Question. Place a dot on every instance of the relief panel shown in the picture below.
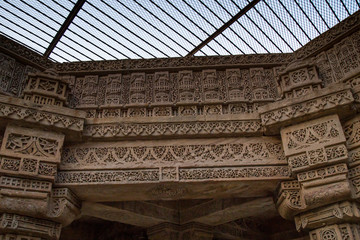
(314, 143)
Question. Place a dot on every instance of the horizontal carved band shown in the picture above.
(316, 102)
(186, 174)
(173, 129)
(47, 116)
(25, 184)
(335, 213)
(28, 167)
(322, 173)
(189, 153)
(27, 225)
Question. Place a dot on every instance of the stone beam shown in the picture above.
(216, 212)
(140, 214)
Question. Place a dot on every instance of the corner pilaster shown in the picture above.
(322, 196)
(31, 208)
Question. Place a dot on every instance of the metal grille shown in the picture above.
(132, 29)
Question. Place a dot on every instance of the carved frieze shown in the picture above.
(88, 177)
(161, 129)
(181, 63)
(334, 213)
(185, 153)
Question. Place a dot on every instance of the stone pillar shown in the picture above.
(321, 200)
(31, 208)
(168, 231)
(164, 231)
(196, 231)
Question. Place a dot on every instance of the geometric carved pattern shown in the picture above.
(313, 103)
(170, 129)
(25, 184)
(28, 167)
(31, 144)
(185, 174)
(48, 118)
(185, 153)
(314, 143)
(335, 213)
(337, 232)
(297, 82)
(10, 223)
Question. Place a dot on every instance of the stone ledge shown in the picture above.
(64, 119)
(334, 99)
(244, 125)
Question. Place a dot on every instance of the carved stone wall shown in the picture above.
(13, 75)
(148, 135)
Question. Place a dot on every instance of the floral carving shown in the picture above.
(304, 108)
(205, 154)
(30, 145)
(185, 174)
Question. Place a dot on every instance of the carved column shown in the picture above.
(164, 231)
(321, 200)
(168, 231)
(31, 208)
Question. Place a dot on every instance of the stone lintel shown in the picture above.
(162, 127)
(142, 214)
(67, 120)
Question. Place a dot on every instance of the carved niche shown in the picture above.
(89, 90)
(235, 86)
(113, 89)
(162, 87)
(137, 88)
(210, 85)
(186, 86)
